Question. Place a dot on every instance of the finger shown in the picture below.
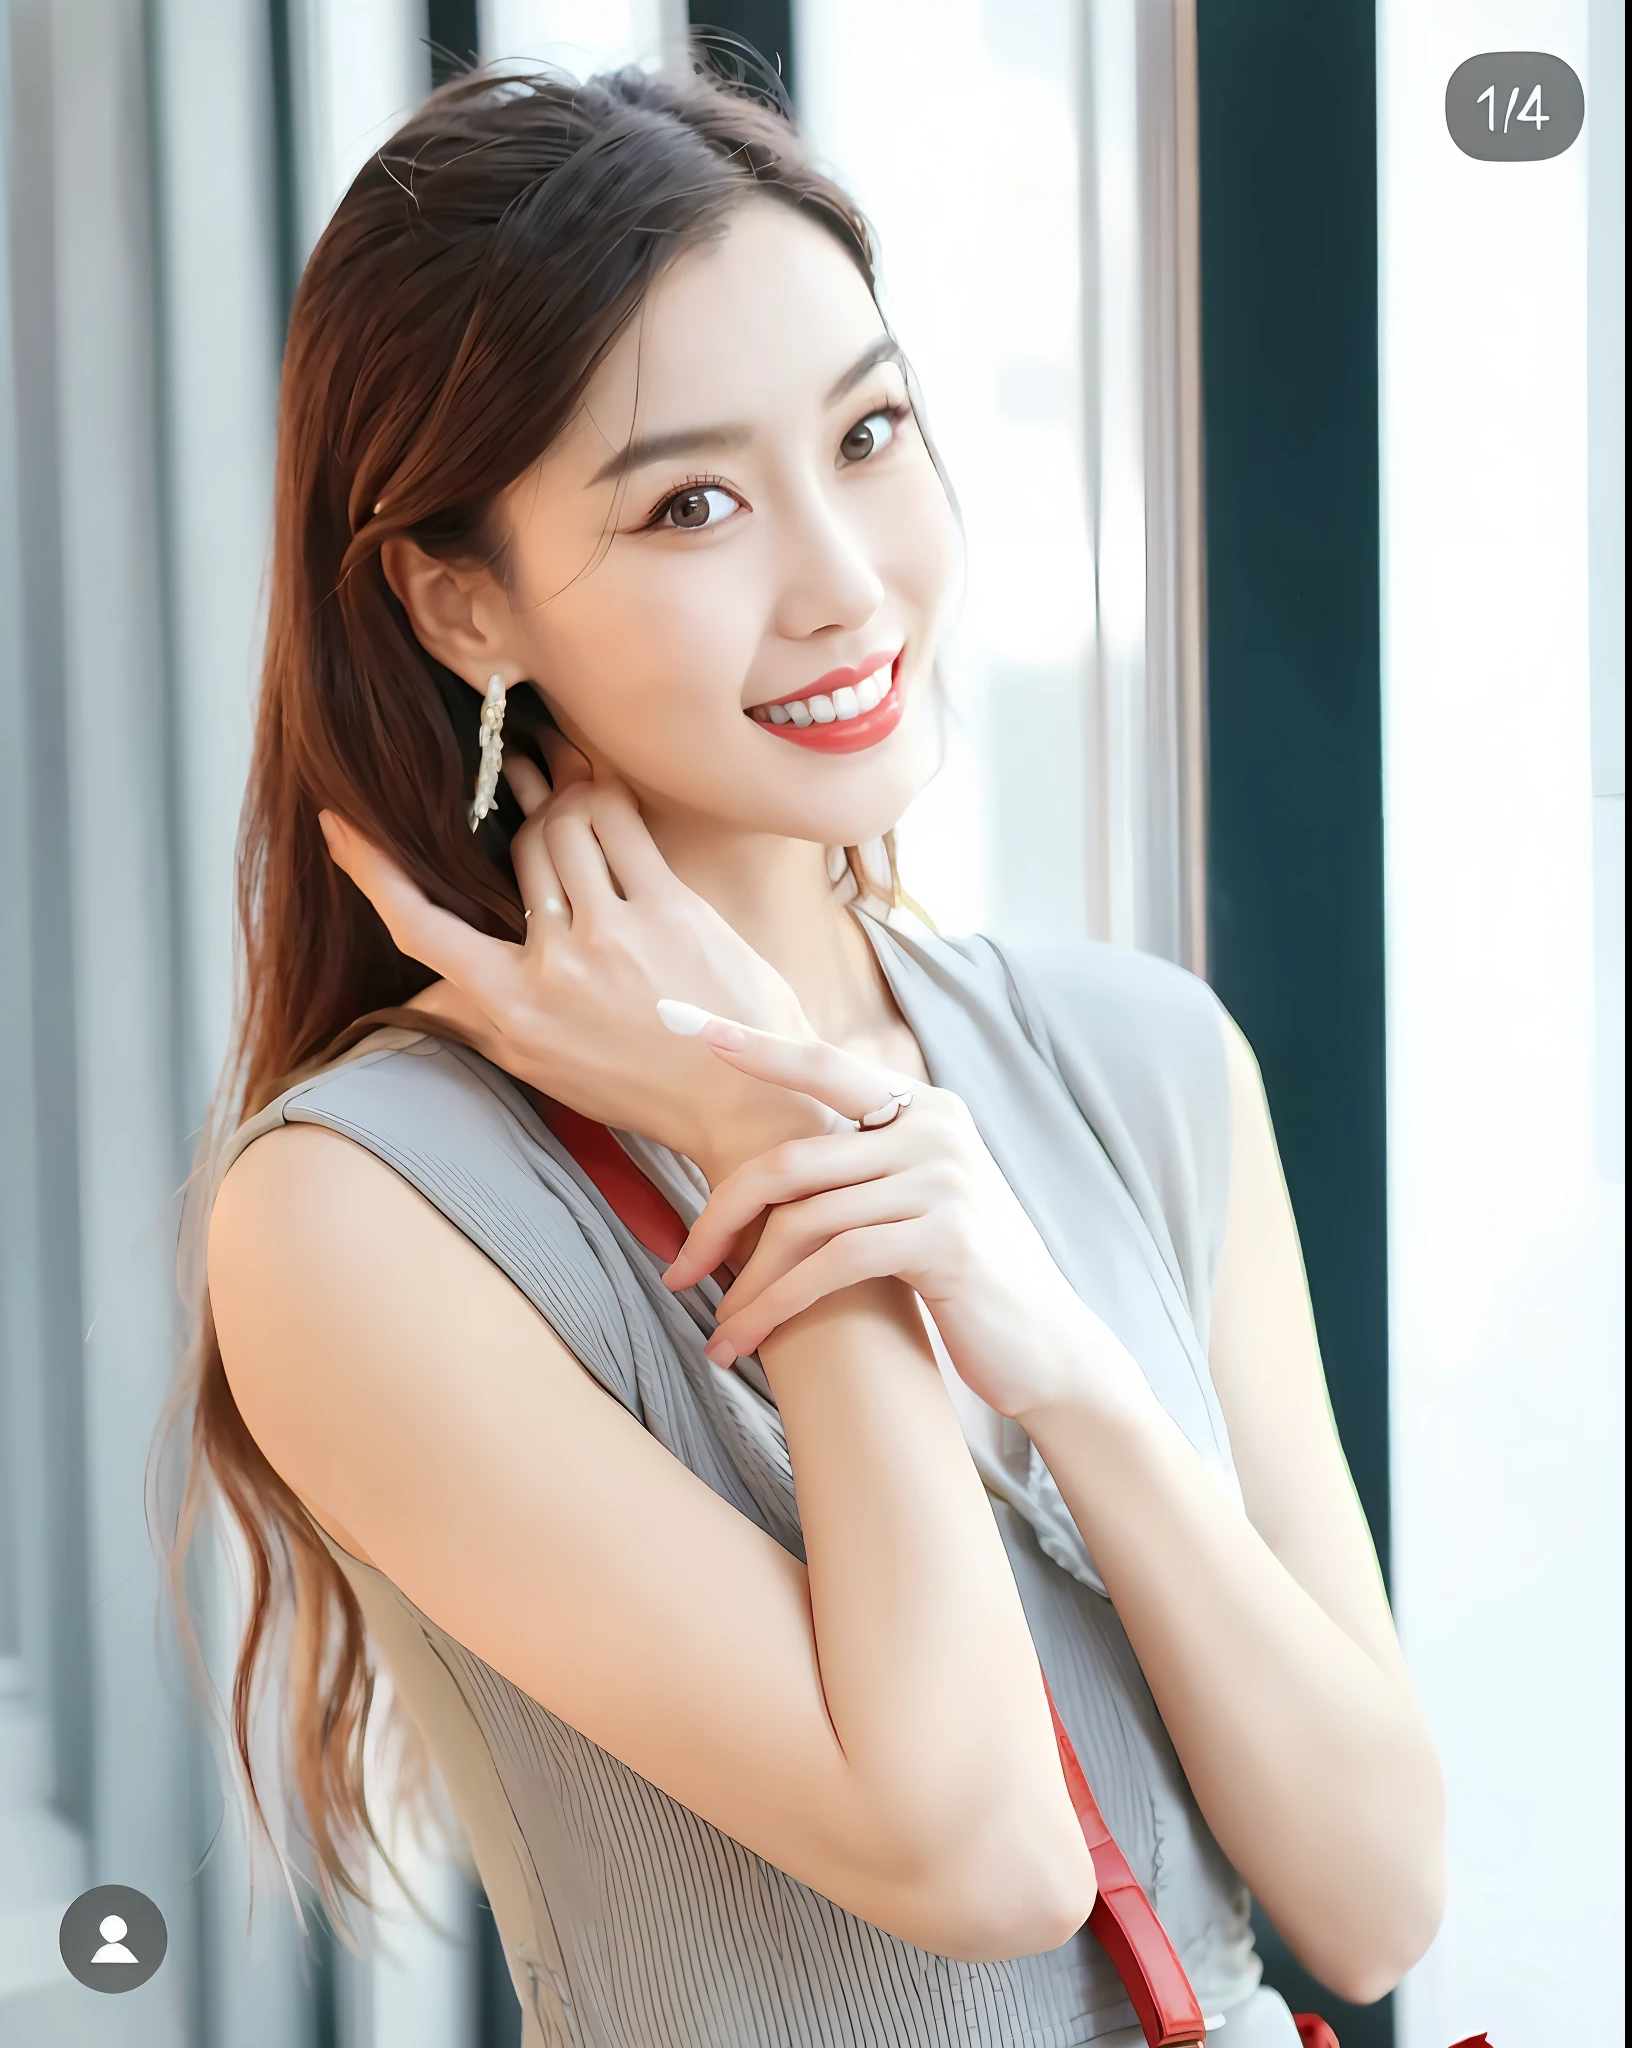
(542, 896)
(796, 1232)
(578, 858)
(787, 1173)
(854, 1087)
(631, 852)
(528, 782)
(878, 1252)
(446, 944)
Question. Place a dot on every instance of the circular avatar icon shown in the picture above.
(112, 1938)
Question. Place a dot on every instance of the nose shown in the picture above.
(827, 578)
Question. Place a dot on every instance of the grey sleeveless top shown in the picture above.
(1096, 1077)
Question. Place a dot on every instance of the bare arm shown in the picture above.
(1267, 1641)
(875, 1725)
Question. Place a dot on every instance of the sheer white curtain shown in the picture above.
(955, 127)
(359, 67)
(1030, 171)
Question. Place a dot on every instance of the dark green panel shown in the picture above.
(1295, 913)
(498, 2016)
(765, 25)
(451, 30)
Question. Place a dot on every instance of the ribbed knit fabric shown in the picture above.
(1097, 1079)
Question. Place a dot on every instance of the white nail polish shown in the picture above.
(685, 1020)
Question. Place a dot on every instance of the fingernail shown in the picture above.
(727, 1037)
(685, 1020)
(720, 1351)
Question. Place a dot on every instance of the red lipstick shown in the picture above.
(841, 712)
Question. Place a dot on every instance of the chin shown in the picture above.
(849, 799)
(872, 814)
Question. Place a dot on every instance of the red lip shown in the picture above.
(849, 735)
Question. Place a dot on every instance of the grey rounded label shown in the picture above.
(1514, 106)
(113, 1938)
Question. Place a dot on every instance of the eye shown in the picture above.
(696, 506)
(870, 436)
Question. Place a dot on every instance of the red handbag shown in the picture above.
(1123, 1918)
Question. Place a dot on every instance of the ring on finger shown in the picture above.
(886, 1112)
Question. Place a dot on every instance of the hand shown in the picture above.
(573, 1010)
(920, 1199)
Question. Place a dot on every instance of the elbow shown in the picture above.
(1364, 1965)
(1006, 1901)
(1370, 1915)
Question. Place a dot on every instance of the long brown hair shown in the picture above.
(442, 335)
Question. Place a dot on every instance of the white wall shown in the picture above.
(1506, 1246)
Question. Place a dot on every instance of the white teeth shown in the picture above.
(846, 702)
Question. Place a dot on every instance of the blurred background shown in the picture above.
(1290, 443)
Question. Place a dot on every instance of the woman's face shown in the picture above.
(743, 515)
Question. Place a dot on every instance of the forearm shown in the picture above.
(927, 1664)
(1312, 1763)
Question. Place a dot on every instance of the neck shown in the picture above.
(775, 893)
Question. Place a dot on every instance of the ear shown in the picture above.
(458, 610)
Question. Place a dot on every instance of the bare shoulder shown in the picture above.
(297, 1229)
(284, 1190)
(308, 1227)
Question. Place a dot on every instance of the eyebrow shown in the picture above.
(647, 448)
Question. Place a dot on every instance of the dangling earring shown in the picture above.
(487, 775)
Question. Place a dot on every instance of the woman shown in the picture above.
(597, 458)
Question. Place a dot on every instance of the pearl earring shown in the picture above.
(487, 775)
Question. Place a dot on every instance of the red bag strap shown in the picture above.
(1123, 1919)
(642, 1210)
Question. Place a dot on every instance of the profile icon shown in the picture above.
(112, 1938)
(113, 1931)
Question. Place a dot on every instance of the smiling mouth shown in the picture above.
(842, 719)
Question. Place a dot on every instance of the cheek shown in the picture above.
(659, 647)
(926, 545)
